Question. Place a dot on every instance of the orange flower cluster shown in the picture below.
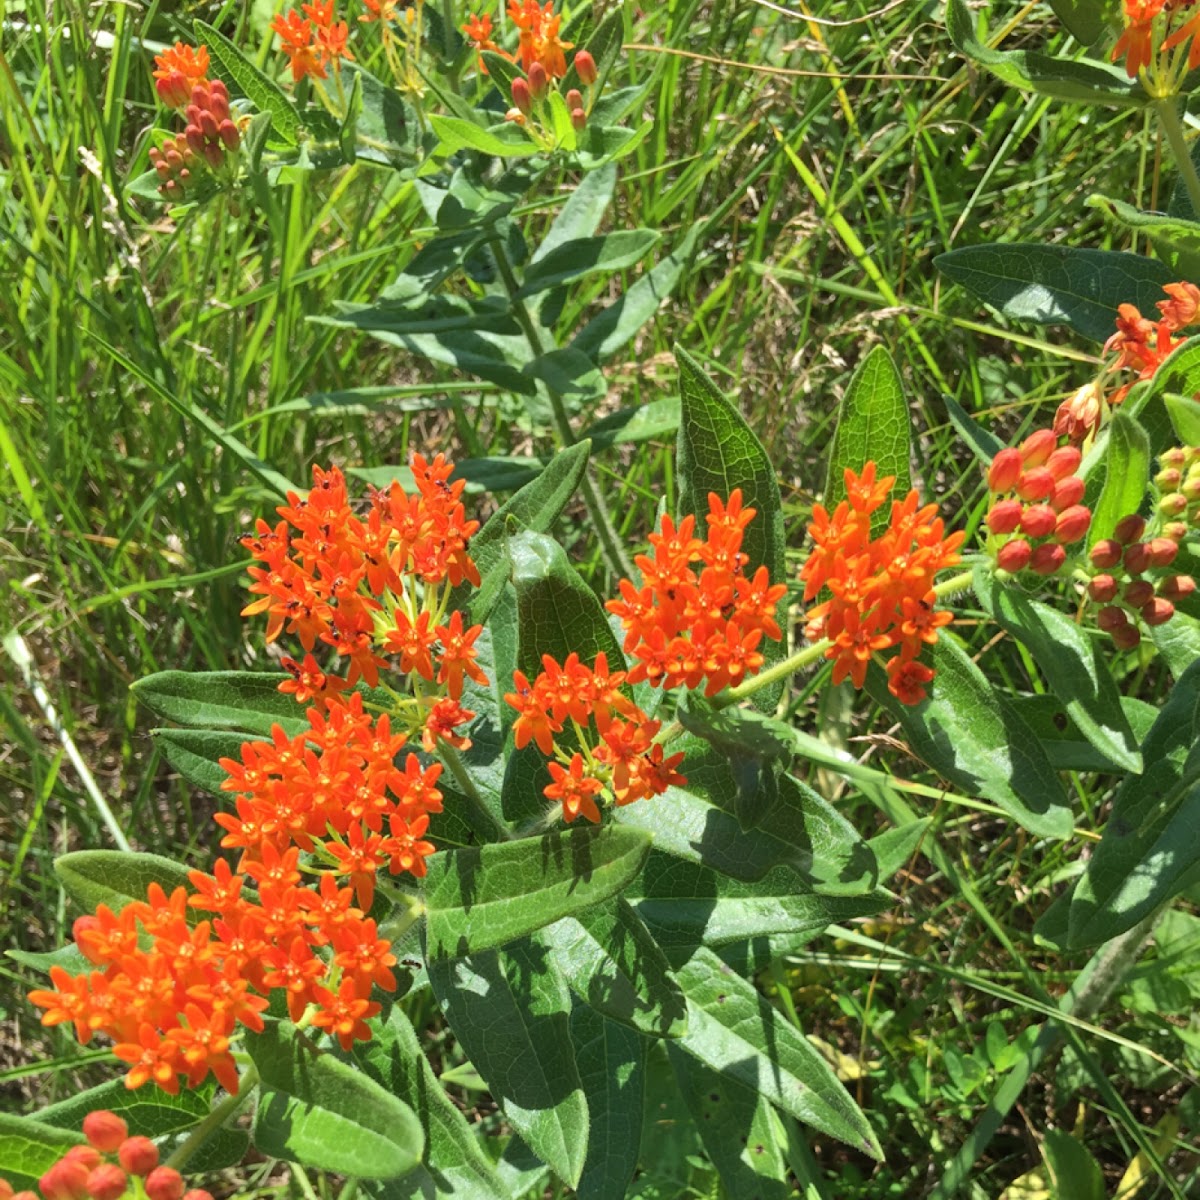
(882, 587)
(538, 38)
(89, 1172)
(177, 70)
(619, 761)
(1156, 27)
(314, 41)
(688, 628)
(1037, 498)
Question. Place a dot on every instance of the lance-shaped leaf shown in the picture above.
(982, 443)
(115, 877)
(267, 95)
(612, 1067)
(734, 1031)
(581, 215)
(1184, 412)
(1074, 667)
(196, 754)
(1087, 20)
(500, 141)
(1149, 850)
(509, 1011)
(1178, 641)
(246, 701)
(453, 1162)
(969, 733)
(1126, 476)
(1058, 285)
(612, 962)
(29, 1148)
(1177, 239)
(583, 256)
(873, 424)
(320, 1112)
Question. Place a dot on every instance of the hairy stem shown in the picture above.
(215, 1119)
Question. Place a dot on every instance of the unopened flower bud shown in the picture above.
(88, 1155)
(1129, 529)
(66, 1180)
(173, 90)
(1128, 637)
(6, 1189)
(1035, 484)
(1111, 619)
(1175, 530)
(1177, 587)
(1038, 447)
(578, 119)
(228, 133)
(1106, 553)
(107, 1182)
(138, 1155)
(1047, 559)
(1136, 558)
(585, 68)
(213, 155)
(1067, 492)
(1014, 556)
(200, 96)
(1173, 504)
(1138, 592)
(1158, 611)
(1102, 589)
(164, 1183)
(1079, 415)
(1169, 478)
(208, 125)
(192, 113)
(163, 169)
(1037, 521)
(218, 91)
(1005, 516)
(574, 99)
(539, 81)
(1004, 471)
(522, 98)
(197, 1194)
(195, 139)
(1176, 456)
(1072, 524)
(1191, 488)
(1064, 461)
(515, 115)
(105, 1130)
(1162, 551)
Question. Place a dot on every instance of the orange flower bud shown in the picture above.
(1005, 516)
(1072, 524)
(1036, 484)
(88, 1155)
(1162, 551)
(107, 1182)
(539, 81)
(1014, 556)
(1129, 529)
(1067, 493)
(228, 133)
(1136, 558)
(1111, 619)
(1004, 471)
(1038, 447)
(1158, 611)
(1139, 592)
(1106, 553)
(1064, 461)
(1128, 637)
(1102, 589)
(578, 119)
(164, 1183)
(521, 95)
(574, 99)
(585, 68)
(197, 1194)
(1175, 530)
(1038, 521)
(105, 1130)
(66, 1180)
(6, 1189)
(1047, 559)
(138, 1155)
(1177, 587)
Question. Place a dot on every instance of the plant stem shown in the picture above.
(215, 1119)
(610, 541)
(451, 757)
(1167, 110)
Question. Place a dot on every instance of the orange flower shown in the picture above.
(478, 31)
(575, 790)
(296, 35)
(177, 70)
(1136, 42)
(382, 10)
(537, 36)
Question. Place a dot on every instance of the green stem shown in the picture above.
(1167, 110)
(451, 757)
(215, 1119)
(610, 541)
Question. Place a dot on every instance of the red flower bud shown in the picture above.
(578, 119)
(1111, 619)
(228, 133)
(88, 1155)
(574, 99)
(1106, 553)
(1005, 516)
(6, 1189)
(1038, 521)
(1162, 551)
(105, 1130)
(1139, 592)
(1128, 637)
(164, 1183)
(213, 155)
(200, 96)
(1102, 589)
(1047, 559)
(138, 1155)
(1067, 492)
(1064, 461)
(195, 139)
(1072, 524)
(522, 98)
(539, 81)
(1136, 558)
(26, 1195)
(1129, 529)
(1038, 447)
(1004, 471)
(208, 125)
(173, 90)
(218, 90)
(66, 1180)
(1014, 556)
(585, 68)
(1158, 611)
(107, 1182)
(1036, 484)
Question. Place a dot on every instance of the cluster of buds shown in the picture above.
(531, 95)
(108, 1166)
(1179, 481)
(1036, 510)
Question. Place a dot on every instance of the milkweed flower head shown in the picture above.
(881, 587)
(177, 70)
(313, 41)
(1155, 41)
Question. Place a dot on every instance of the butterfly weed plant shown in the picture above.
(577, 824)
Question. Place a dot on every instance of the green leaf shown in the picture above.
(509, 1011)
(239, 700)
(196, 754)
(584, 255)
(611, 962)
(895, 847)
(654, 420)
(502, 72)
(115, 877)
(739, 1129)
(1184, 412)
(1058, 285)
(612, 1064)
(1067, 748)
(453, 1163)
(387, 129)
(29, 1148)
(873, 423)
(1177, 239)
(970, 734)
(264, 92)
(604, 144)
(1074, 666)
(500, 141)
(1075, 1173)
(984, 445)
(483, 897)
(1085, 81)
(735, 1032)
(349, 127)
(1126, 476)
(1148, 851)
(1086, 20)
(319, 1111)
(1178, 641)
(581, 215)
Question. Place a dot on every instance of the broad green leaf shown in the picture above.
(320, 1112)
(1067, 748)
(611, 1061)
(238, 700)
(738, 1127)
(29, 1148)
(584, 255)
(453, 1163)
(984, 445)
(1184, 412)
(600, 145)
(873, 423)
(502, 73)
(1148, 851)
(571, 374)
(151, 1112)
(1126, 476)
(970, 734)
(637, 423)
(115, 877)
(1178, 641)
(509, 1011)
(476, 899)
(1058, 285)
(895, 847)
(264, 92)
(581, 215)
(196, 754)
(734, 1031)
(1074, 666)
(1086, 20)
(612, 962)
(1177, 239)
(501, 141)
(387, 130)
(1074, 1172)
(1086, 81)
(69, 957)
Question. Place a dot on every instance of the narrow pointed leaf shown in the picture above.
(586, 255)
(115, 877)
(196, 754)
(247, 701)
(1126, 476)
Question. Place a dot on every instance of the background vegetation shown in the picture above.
(840, 157)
